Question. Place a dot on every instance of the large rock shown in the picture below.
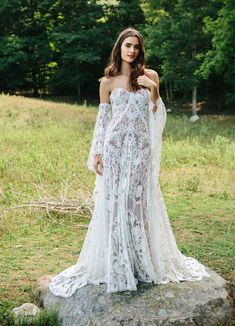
(206, 302)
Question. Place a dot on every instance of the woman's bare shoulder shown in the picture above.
(151, 73)
(105, 82)
(105, 86)
(108, 83)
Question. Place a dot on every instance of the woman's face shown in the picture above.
(130, 49)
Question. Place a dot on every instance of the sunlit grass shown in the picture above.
(47, 143)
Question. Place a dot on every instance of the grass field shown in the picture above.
(45, 143)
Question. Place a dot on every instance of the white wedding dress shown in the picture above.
(129, 238)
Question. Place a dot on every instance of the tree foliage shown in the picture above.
(62, 46)
(220, 57)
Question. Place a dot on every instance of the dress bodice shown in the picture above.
(138, 101)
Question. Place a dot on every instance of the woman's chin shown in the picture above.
(129, 60)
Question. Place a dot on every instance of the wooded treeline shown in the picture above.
(62, 46)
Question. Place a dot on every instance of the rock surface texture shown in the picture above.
(206, 302)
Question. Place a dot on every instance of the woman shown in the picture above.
(129, 238)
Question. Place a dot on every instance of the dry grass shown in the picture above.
(47, 143)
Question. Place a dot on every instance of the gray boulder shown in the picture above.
(207, 302)
(27, 311)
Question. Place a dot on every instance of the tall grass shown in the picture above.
(47, 143)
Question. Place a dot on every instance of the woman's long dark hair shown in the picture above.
(115, 61)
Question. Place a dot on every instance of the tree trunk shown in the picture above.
(78, 84)
(79, 92)
(167, 93)
(194, 91)
(34, 83)
(171, 90)
(194, 100)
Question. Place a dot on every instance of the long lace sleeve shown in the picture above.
(158, 118)
(102, 120)
(157, 122)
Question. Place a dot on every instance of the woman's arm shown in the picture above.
(101, 124)
(104, 90)
(151, 80)
(153, 75)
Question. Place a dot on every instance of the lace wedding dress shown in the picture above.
(129, 238)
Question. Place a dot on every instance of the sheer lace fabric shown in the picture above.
(129, 238)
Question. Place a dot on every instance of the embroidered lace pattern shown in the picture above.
(129, 238)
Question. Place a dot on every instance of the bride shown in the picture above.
(129, 238)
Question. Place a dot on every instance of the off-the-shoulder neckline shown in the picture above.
(122, 88)
(126, 90)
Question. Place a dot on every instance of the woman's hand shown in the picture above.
(145, 81)
(152, 84)
(155, 108)
(98, 164)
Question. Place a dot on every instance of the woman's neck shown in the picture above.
(125, 69)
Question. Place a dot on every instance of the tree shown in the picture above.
(77, 39)
(220, 58)
(25, 49)
(176, 36)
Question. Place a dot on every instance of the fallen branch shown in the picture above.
(65, 206)
(82, 205)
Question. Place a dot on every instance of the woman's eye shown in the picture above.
(137, 47)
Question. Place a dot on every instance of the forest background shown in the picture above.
(53, 53)
(60, 47)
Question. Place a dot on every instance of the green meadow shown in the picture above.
(43, 152)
